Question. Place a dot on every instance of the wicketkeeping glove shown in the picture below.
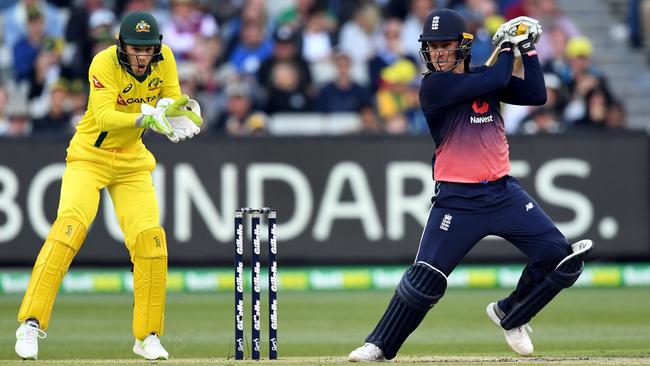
(184, 116)
(155, 119)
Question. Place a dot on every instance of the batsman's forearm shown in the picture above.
(534, 79)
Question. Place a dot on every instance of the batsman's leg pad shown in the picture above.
(565, 275)
(62, 243)
(149, 282)
(420, 288)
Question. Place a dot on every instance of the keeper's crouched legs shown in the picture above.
(420, 288)
(149, 256)
(62, 244)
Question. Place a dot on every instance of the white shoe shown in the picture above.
(27, 341)
(517, 338)
(150, 348)
(367, 353)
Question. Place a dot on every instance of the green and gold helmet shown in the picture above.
(139, 29)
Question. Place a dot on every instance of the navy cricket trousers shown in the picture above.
(462, 214)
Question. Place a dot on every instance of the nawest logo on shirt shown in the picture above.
(481, 107)
(96, 83)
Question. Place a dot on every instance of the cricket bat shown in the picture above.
(518, 69)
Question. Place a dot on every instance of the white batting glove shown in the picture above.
(508, 30)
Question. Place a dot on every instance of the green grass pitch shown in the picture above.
(582, 326)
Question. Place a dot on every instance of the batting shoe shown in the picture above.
(27, 336)
(150, 348)
(517, 338)
(367, 353)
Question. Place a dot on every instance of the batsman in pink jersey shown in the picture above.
(475, 197)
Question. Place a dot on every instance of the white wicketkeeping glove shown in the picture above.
(186, 121)
(508, 31)
(155, 120)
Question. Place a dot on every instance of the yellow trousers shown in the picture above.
(126, 174)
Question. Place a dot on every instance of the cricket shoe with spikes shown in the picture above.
(150, 348)
(27, 336)
(517, 337)
(367, 353)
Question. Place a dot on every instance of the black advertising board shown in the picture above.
(339, 200)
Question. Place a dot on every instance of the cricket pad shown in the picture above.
(149, 282)
(62, 244)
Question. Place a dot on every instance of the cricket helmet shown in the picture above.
(139, 29)
(446, 25)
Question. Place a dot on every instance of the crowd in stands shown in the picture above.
(252, 64)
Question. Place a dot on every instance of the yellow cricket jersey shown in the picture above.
(115, 98)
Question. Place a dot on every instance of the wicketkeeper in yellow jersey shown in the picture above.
(133, 87)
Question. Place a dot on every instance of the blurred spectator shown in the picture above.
(343, 94)
(396, 124)
(19, 124)
(359, 36)
(396, 9)
(285, 93)
(252, 11)
(296, 16)
(596, 105)
(616, 116)
(57, 121)
(123, 7)
(558, 62)
(584, 77)
(78, 101)
(519, 8)
(393, 96)
(199, 76)
(476, 12)
(86, 21)
(550, 16)
(15, 20)
(101, 34)
(528, 120)
(370, 123)
(547, 119)
(27, 47)
(187, 26)
(542, 120)
(316, 40)
(413, 24)
(254, 48)
(36, 56)
(482, 43)
(286, 49)
(390, 52)
(239, 118)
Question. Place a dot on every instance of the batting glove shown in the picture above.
(509, 29)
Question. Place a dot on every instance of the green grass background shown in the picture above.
(323, 327)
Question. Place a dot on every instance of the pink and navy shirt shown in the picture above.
(464, 117)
